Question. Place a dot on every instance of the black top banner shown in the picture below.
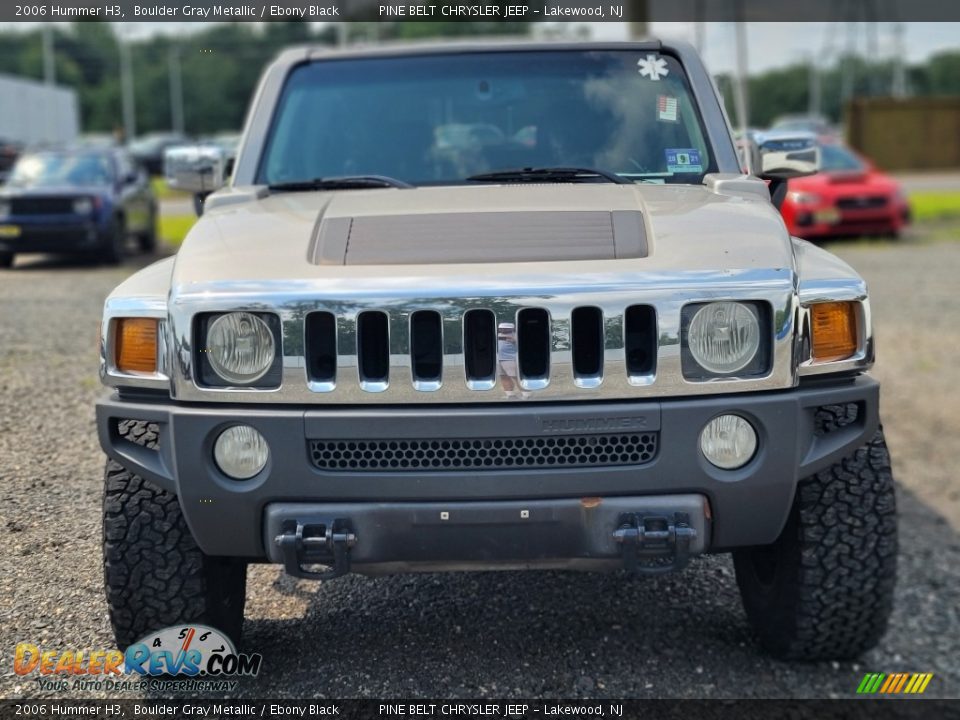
(481, 10)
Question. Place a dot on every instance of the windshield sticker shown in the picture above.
(653, 67)
(683, 160)
(667, 108)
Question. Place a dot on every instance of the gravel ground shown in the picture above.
(499, 634)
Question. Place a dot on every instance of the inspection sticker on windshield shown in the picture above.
(683, 160)
(666, 108)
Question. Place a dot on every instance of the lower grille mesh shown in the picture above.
(484, 453)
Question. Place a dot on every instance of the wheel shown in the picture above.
(824, 589)
(148, 239)
(155, 575)
(6, 260)
(114, 245)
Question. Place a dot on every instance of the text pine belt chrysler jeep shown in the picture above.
(487, 307)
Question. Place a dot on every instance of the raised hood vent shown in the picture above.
(478, 237)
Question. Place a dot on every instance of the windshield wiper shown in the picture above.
(345, 182)
(549, 174)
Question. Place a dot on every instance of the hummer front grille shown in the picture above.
(474, 349)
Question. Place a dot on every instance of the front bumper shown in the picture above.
(49, 236)
(748, 506)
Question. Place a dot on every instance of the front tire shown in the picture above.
(155, 575)
(148, 239)
(824, 589)
(114, 245)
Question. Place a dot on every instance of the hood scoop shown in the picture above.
(478, 237)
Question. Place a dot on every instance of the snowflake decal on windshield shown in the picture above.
(653, 67)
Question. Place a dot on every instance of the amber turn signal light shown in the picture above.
(136, 345)
(833, 326)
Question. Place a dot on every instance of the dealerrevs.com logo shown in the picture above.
(191, 657)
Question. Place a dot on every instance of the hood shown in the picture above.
(549, 229)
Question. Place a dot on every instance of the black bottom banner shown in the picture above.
(395, 709)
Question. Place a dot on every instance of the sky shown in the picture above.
(769, 45)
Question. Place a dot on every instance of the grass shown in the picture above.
(935, 205)
(162, 191)
(174, 228)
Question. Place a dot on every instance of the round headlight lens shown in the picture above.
(724, 337)
(728, 441)
(82, 206)
(240, 347)
(241, 452)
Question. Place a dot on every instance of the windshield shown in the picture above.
(834, 158)
(439, 119)
(47, 169)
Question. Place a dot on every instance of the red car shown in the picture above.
(847, 197)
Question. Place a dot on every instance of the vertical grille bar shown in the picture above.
(640, 341)
(373, 350)
(426, 349)
(480, 348)
(321, 345)
(587, 344)
(533, 348)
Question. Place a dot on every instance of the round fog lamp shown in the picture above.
(241, 452)
(728, 441)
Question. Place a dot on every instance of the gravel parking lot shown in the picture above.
(503, 634)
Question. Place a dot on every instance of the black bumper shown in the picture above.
(53, 238)
(748, 506)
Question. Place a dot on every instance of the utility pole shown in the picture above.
(50, 78)
(899, 86)
(176, 91)
(126, 87)
(741, 94)
(813, 100)
(49, 60)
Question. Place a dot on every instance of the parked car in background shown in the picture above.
(148, 149)
(816, 124)
(9, 151)
(849, 196)
(76, 201)
(226, 141)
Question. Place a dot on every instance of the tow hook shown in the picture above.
(654, 544)
(325, 542)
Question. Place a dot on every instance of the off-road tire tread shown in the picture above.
(154, 573)
(836, 598)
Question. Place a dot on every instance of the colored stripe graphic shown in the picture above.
(894, 684)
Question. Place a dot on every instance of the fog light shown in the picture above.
(728, 441)
(241, 452)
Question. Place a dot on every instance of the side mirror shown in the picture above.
(195, 168)
(781, 156)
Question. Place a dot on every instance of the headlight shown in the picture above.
(240, 347)
(728, 441)
(805, 198)
(241, 452)
(82, 206)
(724, 337)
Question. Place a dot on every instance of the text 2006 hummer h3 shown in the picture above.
(486, 307)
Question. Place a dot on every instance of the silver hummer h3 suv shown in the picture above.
(487, 307)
